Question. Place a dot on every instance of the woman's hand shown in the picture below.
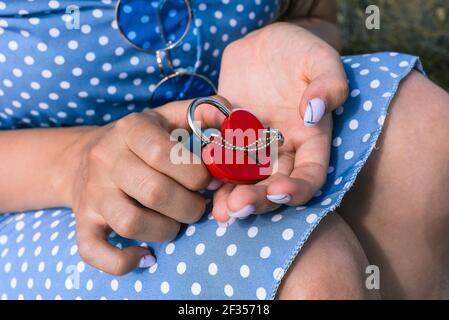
(290, 79)
(125, 181)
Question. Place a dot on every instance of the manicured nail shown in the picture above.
(147, 261)
(242, 213)
(314, 112)
(214, 185)
(279, 198)
(226, 224)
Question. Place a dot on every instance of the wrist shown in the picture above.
(66, 170)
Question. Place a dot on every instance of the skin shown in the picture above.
(396, 215)
(115, 177)
(304, 157)
(399, 207)
(321, 272)
(413, 263)
(302, 56)
(86, 166)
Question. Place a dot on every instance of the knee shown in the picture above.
(330, 266)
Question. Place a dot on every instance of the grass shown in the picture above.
(418, 27)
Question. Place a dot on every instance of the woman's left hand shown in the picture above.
(290, 79)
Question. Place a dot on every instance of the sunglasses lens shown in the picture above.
(153, 25)
(182, 87)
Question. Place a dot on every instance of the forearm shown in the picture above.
(320, 18)
(34, 167)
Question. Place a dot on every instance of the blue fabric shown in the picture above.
(38, 251)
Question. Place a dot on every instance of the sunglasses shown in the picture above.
(157, 27)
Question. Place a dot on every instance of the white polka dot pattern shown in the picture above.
(85, 62)
(90, 76)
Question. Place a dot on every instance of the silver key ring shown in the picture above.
(262, 143)
(191, 115)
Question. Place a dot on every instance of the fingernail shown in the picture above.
(242, 213)
(214, 185)
(314, 112)
(279, 198)
(147, 261)
(227, 223)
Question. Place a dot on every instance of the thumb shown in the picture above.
(327, 90)
(175, 114)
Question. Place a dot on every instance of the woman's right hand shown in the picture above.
(124, 181)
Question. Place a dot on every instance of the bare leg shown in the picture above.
(330, 266)
(399, 207)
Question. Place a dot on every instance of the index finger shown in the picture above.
(95, 250)
(156, 147)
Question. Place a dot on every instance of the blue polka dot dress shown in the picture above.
(53, 76)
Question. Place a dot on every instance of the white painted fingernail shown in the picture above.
(222, 224)
(227, 223)
(314, 112)
(147, 261)
(242, 213)
(214, 185)
(279, 198)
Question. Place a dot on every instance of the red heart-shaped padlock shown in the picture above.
(222, 162)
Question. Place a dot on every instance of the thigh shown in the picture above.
(331, 265)
(399, 206)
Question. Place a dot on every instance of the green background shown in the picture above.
(419, 27)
